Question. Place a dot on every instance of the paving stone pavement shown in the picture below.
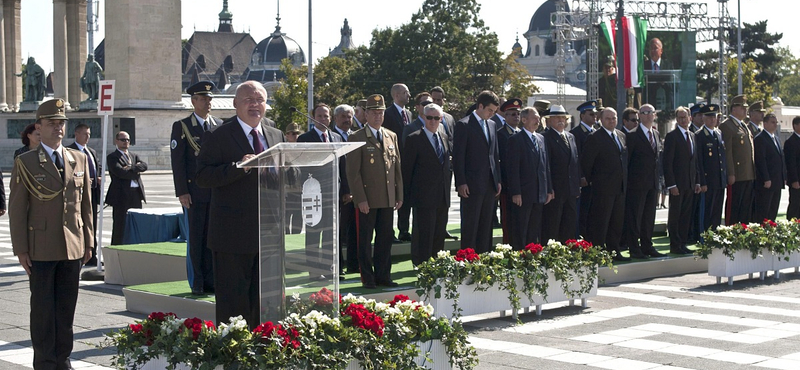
(679, 322)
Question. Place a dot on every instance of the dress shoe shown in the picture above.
(639, 255)
(198, 291)
(677, 251)
(368, 285)
(686, 250)
(390, 284)
(404, 236)
(447, 235)
(317, 277)
(654, 253)
(621, 258)
(341, 278)
(353, 271)
(92, 262)
(396, 241)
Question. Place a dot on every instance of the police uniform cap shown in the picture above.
(362, 103)
(590, 105)
(511, 104)
(293, 127)
(757, 106)
(709, 110)
(52, 109)
(739, 100)
(541, 106)
(202, 88)
(695, 109)
(375, 101)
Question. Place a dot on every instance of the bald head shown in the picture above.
(250, 102)
(400, 94)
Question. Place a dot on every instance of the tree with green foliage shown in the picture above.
(759, 45)
(788, 70)
(515, 77)
(292, 93)
(333, 82)
(754, 89)
(708, 74)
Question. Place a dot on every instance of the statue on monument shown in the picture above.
(92, 74)
(35, 82)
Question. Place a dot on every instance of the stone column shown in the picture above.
(60, 65)
(143, 39)
(76, 49)
(13, 53)
(3, 104)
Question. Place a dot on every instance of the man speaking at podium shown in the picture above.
(233, 230)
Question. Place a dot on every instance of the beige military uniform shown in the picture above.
(373, 170)
(738, 150)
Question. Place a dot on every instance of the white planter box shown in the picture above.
(496, 299)
(438, 355)
(743, 263)
(779, 263)
(160, 363)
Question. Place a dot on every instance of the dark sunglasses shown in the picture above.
(634, 120)
(424, 103)
(124, 140)
(436, 118)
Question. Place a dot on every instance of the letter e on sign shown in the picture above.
(105, 103)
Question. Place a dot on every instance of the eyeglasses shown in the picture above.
(424, 103)
(124, 140)
(646, 112)
(293, 133)
(435, 118)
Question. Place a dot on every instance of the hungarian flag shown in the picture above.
(634, 34)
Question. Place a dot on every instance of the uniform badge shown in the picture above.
(372, 160)
(40, 177)
(173, 144)
(312, 201)
(78, 174)
(391, 147)
(59, 103)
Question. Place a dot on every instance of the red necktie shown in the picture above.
(652, 142)
(405, 117)
(324, 137)
(257, 146)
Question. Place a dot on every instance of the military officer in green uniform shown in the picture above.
(50, 219)
(376, 182)
(739, 155)
(185, 142)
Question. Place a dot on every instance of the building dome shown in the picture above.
(276, 47)
(540, 22)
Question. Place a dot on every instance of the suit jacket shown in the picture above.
(374, 170)
(313, 137)
(427, 182)
(643, 162)
(123, 170)
(581, 134)
(528, 171)
(503, 133)
(754, 130)
(392, 120)
(565, 168)
(664, 63)
(604, 165)
(711, 159)
(739, 154)
(234, 207)
(184, 157)
(680, 165)
(769, 162)
(414, 126)
(98, 166)
(476, 162)
(791, 152)
(449, 124)
(59, 228)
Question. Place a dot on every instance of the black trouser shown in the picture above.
(560, 219)
(476, 220)
(767, 201)
(294, 215)
(640, 218)
(679, 218)
(584, 203)
(236, 281)
(130, 199)
(505, 216)
(698, 203)
(202, 265)
(376, 267)
(713, 208)
(54, 294)
(430, 228)
(319, 254)
(793, 210)
(606, 217)
(403, 216)
(95, 212)
(349, 234)
(527, 221)
(740, 202)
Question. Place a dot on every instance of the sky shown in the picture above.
(363, 16)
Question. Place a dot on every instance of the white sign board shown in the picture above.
(105, 103)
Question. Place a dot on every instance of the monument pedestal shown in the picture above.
(88, 105)
(29, 106)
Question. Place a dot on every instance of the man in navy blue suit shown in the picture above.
(770, 170)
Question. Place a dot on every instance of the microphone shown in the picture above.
(294, 109)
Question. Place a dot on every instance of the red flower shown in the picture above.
(399, 298)
(467, 254)
(324, 297)
(534, 248)
(364, 319)
(160, 316)
(744, 226)
(136, 328)
(288, 336)
(196, 326)
(768, 222)
(579, 244)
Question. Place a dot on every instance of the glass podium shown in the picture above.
(298, 263)
(661, 88)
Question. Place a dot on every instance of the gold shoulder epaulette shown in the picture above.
(33, 186)
(190, 139)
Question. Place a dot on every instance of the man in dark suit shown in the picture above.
(376, 180)
(587, 113)
(656, 63)
(604, 161)
(126, 190)
(510, 126)
(95, 169)
(681, 179)
(421, 100)
(427, 176)
(236, 219)
(770, 170)
(449, 123)
(791, 153)
(530, 185)
(711, 159)
(739, 158)
(319, 254)
(699, 200)
(476, 165)
(185, 147)
(360, 115)
(50, 219)
(560, 215)
(396, 118)
(644, 151)
(348, 233)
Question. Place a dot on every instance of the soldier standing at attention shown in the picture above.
(50, 218)
(740, 160)
(185, 142)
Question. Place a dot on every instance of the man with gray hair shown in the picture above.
(343, 117)
(427, 175)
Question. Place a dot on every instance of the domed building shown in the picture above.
(539, 57)
(265, 62)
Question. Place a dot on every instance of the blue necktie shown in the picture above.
(535, 145)
(438, 147)
(92, 170)
(485, 131)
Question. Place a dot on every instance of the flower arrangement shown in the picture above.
(378, 335)
(503, 267)
(778, 237)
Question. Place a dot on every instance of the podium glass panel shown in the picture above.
(298, 180)
(661, 88)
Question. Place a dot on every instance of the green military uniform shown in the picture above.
(740, 158)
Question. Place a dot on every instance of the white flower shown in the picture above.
(443, 254)
(503, 247)
(497, 255)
